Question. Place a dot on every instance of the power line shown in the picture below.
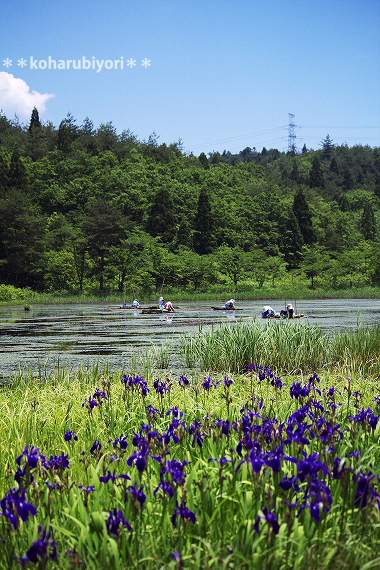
(232, 139)
(336, 127)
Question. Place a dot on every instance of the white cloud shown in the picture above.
(16, 97)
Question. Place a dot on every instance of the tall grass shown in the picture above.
(357, 351)
(289, 347)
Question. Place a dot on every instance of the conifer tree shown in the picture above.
(327, 145)
(302, 213)
(316, 179)
(34, 120)
(295, 175)
(291, 240)
(203, 160)
(334, 165)
(348, 181)
(17, 171)
(161, 220)
(204, 241)
(368, 222)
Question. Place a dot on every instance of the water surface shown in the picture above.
(69, 335)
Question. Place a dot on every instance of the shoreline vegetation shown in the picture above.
(10, 295)
(268, 457)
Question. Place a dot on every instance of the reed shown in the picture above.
(288, 346)
(357, 351)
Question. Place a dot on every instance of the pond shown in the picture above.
(70, 335)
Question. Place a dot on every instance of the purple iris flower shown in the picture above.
(174, 412)
(364, 489)
(31, 455)
(69, 435)
(112, 477)
(90, 403)
(42, 549)
(183, 381)
(208, 383)
(160, 388)
(166, 488)
(115, 519)
(175, 469)
(88, 489)
(366, 417)
(184, 513)
(15, 505)
(20, 474)
(221, 461)
(271, 520)
(120, 442)
(139, 458)
(99, 395)
(288, 483)
(299, 391)
(96, 446)
(57, 462)
(227, 381)
(339, 467)
(224, 425)
(137, 494)
(317, 498)
(152, 412)
(310, 465)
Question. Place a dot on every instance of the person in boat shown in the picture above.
(161, 303)
(268, 312)
(230, 304)
(135, 303)
(169, 307)
(288, 312)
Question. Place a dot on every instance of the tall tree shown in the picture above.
(291, 240)
(327, 145)
(295, 175)
(36, 144)
(204, 240)
(302, 213)
(67, 133)
(104, 228)
(316, 179)
(34, 120)
(203, 160)
(161, 220)
(368, 222)
(17, 171)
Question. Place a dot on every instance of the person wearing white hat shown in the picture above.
(268, 312)
(230, 304)
(290, 310)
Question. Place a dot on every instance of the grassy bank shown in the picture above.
(243, 292)
(112, 469)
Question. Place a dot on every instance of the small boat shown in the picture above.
(155, 311)
(224, 309)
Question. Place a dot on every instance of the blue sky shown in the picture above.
(223, 75)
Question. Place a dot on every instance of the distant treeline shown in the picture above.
(90, 209)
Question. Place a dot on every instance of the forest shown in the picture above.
(88, 209)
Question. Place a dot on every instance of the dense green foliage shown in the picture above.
(84, 209)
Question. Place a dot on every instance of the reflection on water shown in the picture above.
(73, 335)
